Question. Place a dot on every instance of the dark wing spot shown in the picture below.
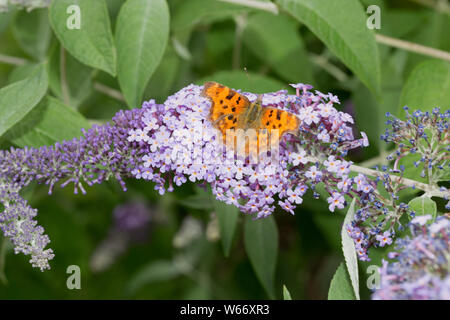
(279, 126)
(267, 123)
(238, 99)
(233, 109)
(278, 114)
(221, 101)
(274, 126)
(230, 117)
(225, 107)
(233, 127)
(230, 95)
(234, 120)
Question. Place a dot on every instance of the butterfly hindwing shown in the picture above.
(281, 120)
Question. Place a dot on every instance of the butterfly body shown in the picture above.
(231, 110)
(251, 117)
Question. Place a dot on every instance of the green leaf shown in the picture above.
(197, 201)
(341, 25)
(427, 87)
(32, 32)
(349, 250)
(399, 23)
(275, 40)
(162, 80)
(423, 206)
(373, 122)
(445, 175)
(228, 217)
(49, 122)
(251, 82)
(142, 31)
(21, 72)
(93, 43)
(157, 271)
(19, 98)
(5, 18)
(78, 77)
(286, 294)
(190, 13)
(261, 245)
(341, 286)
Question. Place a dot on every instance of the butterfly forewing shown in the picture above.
(224, 101)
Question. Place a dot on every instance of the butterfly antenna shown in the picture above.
(248, 76)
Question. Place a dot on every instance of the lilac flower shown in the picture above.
(345, 184)
(286, 205)
(360, 181)
(420, 267)
(313, 173)
(384, 239)
(294, 196)
(299, 157)
(324, 136)
(332, 164)
(336, 201)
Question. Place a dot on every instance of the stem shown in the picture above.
(265, 6)
(240, 26)
(323, 62)
(181, 49)
(3, 248)
(380, 159)
(113, 93)
(429, 190)
(413, 47)
(440, 6)
(12, 60)
(62, 68)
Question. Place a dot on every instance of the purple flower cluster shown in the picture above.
(16, 222)
(102, 153)
(424, 135)
(131, 225)
(183, 145)
(420, 267)
(376, 218)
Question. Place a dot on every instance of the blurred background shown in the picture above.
(141, 245)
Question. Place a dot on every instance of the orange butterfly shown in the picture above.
(231, 111)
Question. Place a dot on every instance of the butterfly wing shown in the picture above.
(281, 120)
(224, 101)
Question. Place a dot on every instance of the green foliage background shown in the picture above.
(143, 49)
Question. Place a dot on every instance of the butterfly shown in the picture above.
(231, 110)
